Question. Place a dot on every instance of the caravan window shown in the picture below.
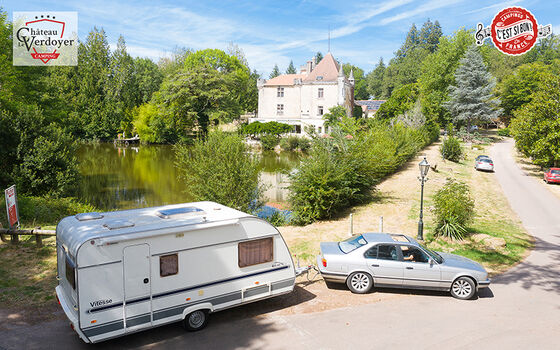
(168, 265)
(255, 252)
(70, 272)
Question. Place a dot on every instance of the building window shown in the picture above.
(320, 93)
(280, 109)
(280, 92)
(70, 272)
(168, 265)
(319, 130)
(254, 252)
(320, 110)
(297, 129)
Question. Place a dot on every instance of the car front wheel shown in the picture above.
(463, 288)
(359, 282)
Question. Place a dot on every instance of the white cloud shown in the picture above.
(420, 10)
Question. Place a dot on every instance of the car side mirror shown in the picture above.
(431, 261)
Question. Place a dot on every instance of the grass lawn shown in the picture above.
(398, 201)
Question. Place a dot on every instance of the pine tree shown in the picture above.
(411, 42)
(318, 57)
(375, 80)
(471, 98)
(291, 69)
(275, 72)
(429, 35)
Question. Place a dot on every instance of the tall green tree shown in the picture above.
(275, 72)
(429, 35)
(536, 126)
(318, 57)
(374, 80)
(438, 73)
(291, 69)
(471, 97)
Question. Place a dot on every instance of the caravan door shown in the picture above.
(137, 287)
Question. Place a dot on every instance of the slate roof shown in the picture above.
(371, 105)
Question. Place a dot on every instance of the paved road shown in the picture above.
(521, 309)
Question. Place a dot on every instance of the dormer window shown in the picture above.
(319, 77)
(280, 92)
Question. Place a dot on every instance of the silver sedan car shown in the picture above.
(398, 261)
(484, 163)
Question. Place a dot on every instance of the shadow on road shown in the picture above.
(247, 332)
(531, 275)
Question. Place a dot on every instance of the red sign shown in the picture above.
(11, 206)
(514, 30)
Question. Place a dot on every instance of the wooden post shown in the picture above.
(15, 238)
(38, 238)
(2, 236)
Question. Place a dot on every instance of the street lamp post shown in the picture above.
(424, 168)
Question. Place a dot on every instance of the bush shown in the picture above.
(268, 142)
(453, 209)
(293, 143)
(222, 170)
(40, 211)
(503, 132)
(451, 149)
(269, 128)
(341, 170)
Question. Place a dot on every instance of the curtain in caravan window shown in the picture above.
(255, 252)
(168, 265)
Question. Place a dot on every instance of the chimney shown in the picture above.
(309, 66)
(313, 62)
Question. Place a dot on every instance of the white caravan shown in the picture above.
(125, 271)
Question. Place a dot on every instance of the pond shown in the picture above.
(145, 176)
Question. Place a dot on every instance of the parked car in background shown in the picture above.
(398, 261)
(484, 163)
(552, 175)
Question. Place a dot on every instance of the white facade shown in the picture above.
(302, 99)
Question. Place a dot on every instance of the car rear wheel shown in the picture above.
(463, 288)
(196, 320)
(359, 282)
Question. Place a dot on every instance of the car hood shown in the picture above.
(461, 262)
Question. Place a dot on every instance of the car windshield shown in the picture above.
(555, 171)
(438, 258)
(486, 160)
(352, 243)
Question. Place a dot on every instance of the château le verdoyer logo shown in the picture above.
(514, 31)
(45, 38)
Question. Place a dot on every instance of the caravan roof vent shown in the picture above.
(116, 224)
(187, 211)
(89, 216)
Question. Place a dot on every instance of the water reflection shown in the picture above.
(133, 177)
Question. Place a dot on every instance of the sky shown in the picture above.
(275, 32)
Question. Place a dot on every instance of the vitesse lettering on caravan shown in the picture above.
(100, 302)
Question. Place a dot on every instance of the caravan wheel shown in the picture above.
(196, 320)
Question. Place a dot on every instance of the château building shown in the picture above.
(302, 99)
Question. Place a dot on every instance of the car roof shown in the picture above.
(374, 237)
(482, 156)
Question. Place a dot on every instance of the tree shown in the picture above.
(360, 84)
(318, 57)
(429, 35)
(438, 73)
(221, 169)
(335, 115)
(517, 89)
(291, 69)
(275, 72)
(374, 80)
(411, 42)
(402, 100)
(536, 126)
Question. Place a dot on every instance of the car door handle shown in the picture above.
(410, 268)
(375, 265)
